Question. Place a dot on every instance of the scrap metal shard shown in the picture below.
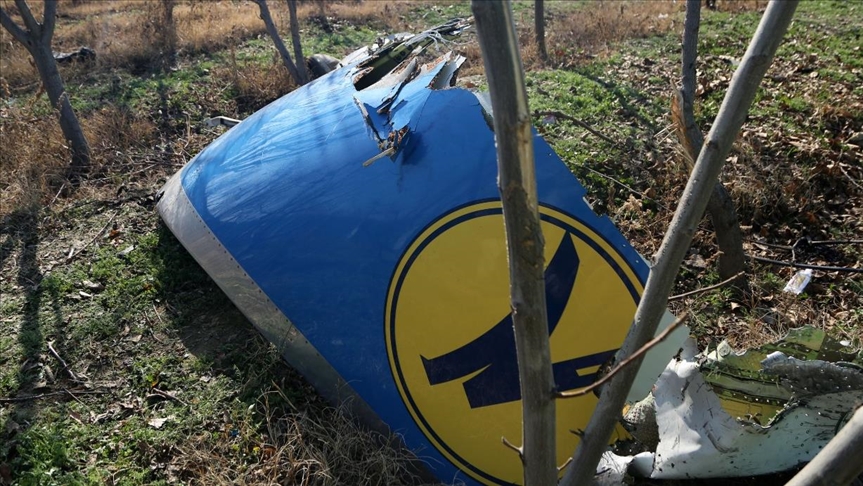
(793, 406)
(748, 391)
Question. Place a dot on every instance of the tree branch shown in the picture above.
(732, 114)
(705, 289)
(17, 32)
(49, 20)
(560, 114)
(295, 40)
(623, 364)
(517, 184)
(28, 18)
(277, 40)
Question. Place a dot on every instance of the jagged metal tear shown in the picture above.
(698, 438)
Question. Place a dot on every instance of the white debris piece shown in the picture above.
(798, 282)
(699, 439)
(613, 469)
(721, 415)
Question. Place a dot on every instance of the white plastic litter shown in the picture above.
(798, 282)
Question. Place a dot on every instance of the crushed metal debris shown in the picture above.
(720, 414)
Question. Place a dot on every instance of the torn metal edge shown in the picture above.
(699, 439)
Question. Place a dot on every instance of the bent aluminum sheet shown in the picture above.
(746, 389)
(361, 232)
(699, 438)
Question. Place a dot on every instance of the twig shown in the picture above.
(75, 254)
(812, 243)
(562, 466)
(627, 187)
(846, 174)
(163, 393)
(804, 265)
(76, 419)
(145, 169)
(706, 289)
(578, 122)
(62, 186)
(512, 446)
(623, 364)
(158, 316)
(62, 361)
(837, 242)
(771, 245)
(75, 397)
(147, 317)
(46, 395)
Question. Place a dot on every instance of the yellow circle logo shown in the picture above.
(450, 337)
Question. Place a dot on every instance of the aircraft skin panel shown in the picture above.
(349, 229)
(184, 222)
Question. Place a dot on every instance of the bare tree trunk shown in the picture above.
(721, 207)
(322, 16)
(839, 462)
(277, 40)
(687, 79)
(69, 124)
(37, 39)
(732, 114)
(295, 40)
(539, 22)
(728, 235)
(517, 185)
(169, 33)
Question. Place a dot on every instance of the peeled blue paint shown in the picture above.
(316, 214)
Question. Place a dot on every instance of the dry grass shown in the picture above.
(575, 35)
(115, 131)
(578, 35)
(33, 159)
(254, 84)
(364, 13)
(324, 447)
(17, 72)
(129, 33)
(204, 26)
